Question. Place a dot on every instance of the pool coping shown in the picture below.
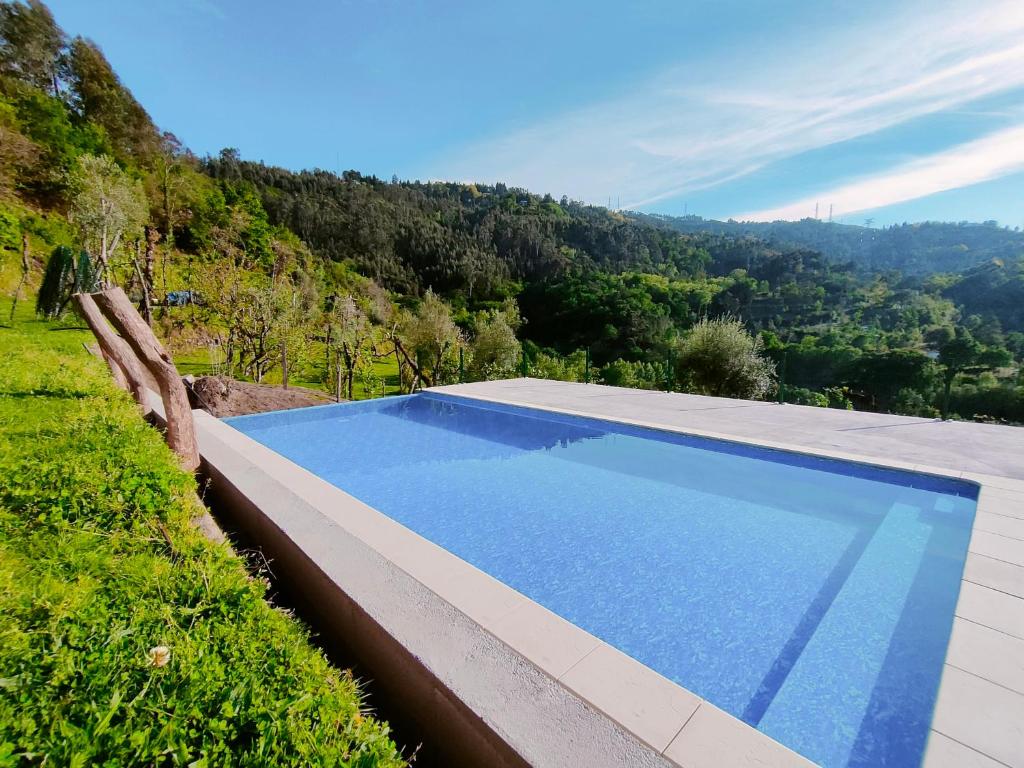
(979, 711)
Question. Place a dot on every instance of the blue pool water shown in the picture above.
(811, 598)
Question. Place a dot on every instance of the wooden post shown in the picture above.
(26, 266)
(147, 275)
(181, 433)
(123, 364)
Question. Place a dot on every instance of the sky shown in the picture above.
(902, 110)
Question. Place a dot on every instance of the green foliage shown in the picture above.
(10, 231)
(637, 375)
(719, 357)
(100, 564)
(914, 249)
(431, 340)
(879, 378)
(962, 353)
(495, 352)
(99, 97)
(66, 274)
(31, 44)
(59, 136)
(801, 396)
(548, 365)
(106, 205)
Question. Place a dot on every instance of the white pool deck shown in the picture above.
(559, 696)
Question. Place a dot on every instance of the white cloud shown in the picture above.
(995, 155)
(671, 136)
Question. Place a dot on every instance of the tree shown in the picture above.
(349, 334)
(426, 342)
(259, 325)
(495, 351)
(883, 379)
(964, 354)
(18, 154)
(719, 357)
(31, 45)
(106, 205)
(98, 96)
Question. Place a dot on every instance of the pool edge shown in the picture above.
(977, 714)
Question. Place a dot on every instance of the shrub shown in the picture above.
(638, 375)
(719, 357)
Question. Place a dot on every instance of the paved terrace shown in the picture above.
(986, 448)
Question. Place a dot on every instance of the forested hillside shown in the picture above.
(913, 249)
(346, 281)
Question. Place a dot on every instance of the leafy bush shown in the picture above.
(128, 638)
(802, 396)
(495, 352)
(546, 365)
(638, 375)
(719, 357)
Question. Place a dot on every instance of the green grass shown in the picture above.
(99, 564)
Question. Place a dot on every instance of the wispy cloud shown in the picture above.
(208, 7)
(991, 157)
(671, 137)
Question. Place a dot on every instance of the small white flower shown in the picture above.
(159, 656)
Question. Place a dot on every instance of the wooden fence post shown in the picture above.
(181, 433)
(124, 366)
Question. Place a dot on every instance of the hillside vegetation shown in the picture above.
(913, 249)
(363, 286)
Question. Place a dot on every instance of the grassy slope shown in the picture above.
(99, 564)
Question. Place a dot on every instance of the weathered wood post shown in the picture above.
(26, 266)
(181, 433)
(124, 366)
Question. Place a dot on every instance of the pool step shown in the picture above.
(839, 666)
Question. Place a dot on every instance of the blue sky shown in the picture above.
(757, 110)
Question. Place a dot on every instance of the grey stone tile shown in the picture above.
(1003, 502)
(991, 608)
(981, 715)
(995, 545)
(713, 739)
(1010, 527)
(943, 752)
(632, 694)
(995, 574)
(987, 653)
(989, 452)
(546, 639)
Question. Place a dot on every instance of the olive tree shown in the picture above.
(426, 341)
(719, 357)
(495, 351)
(107, 206)
(349, 343)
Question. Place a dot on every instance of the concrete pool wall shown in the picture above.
(503, 681)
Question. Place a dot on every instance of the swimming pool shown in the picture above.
(808, 597)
